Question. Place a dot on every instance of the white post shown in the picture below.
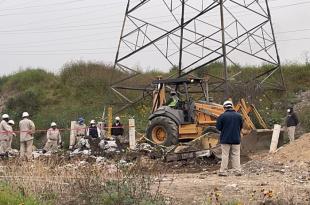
(132, 134)
(72, 133)
(275, 138)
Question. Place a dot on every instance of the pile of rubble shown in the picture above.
(292, 162)
(298, 151)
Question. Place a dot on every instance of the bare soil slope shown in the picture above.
(298, 151)
(280, 178)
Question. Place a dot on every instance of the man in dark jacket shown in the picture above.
(117, 127)
(291, 123)
(117, 132)
(93, 131)
(230, 125)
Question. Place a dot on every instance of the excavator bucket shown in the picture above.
(255, 136)
(159, 97)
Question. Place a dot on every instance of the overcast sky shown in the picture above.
(48, 34)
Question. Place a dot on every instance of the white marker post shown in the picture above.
(132, 134)
(275, 138)
(72, 133)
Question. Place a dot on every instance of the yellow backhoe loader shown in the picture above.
(188, 119)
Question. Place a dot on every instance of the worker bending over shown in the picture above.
(79, 132)
(53, 139)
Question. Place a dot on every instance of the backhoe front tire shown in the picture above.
(163, 131)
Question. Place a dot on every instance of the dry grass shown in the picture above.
(57, 182)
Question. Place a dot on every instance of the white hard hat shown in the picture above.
(92, 122)
(25, 114)
(117, 118)
(53, 124)
(11, 122)
(5, 116)
(227, 104)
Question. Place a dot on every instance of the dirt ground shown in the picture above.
(280, 178)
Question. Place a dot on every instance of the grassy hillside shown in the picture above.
(82, 89)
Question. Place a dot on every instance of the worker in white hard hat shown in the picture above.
(291, 123)
(117, 132)
(11, 134)
(78, 132)
(93, 131)
(27, 130)
(5, 131)
(94, 135)
(230, 125)
(53, 139)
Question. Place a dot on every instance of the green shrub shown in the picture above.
(13, 197)
(305, 119)
(23, 80)
(131, 191)
(26, 101)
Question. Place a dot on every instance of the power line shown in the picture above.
(57, 29)
(283, 40)
(22, 30)
(106, 49)
(35, 44)
(294, 31)
(60, 18)
(80, 49)
(40, 6)
(75, 42)
(93, 18)
(294, 4)
(294, 39)
(96, 34)
(77, 26)
(55, 11)
(66, 17)
(49, 54)
(57, 39)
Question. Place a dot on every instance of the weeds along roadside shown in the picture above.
(53, 182)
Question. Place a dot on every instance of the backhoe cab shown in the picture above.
(187, 119)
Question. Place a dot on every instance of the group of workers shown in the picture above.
(81, 134)
(26, 130)
(83, 137)
(229, 123)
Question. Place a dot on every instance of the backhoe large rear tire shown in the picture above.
(163, 131)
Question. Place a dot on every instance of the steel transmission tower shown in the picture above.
(190, 35)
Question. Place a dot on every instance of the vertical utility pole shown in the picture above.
(274, 41)
(181, 39)
(226, 94)
(110, 116)
(122, 32)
